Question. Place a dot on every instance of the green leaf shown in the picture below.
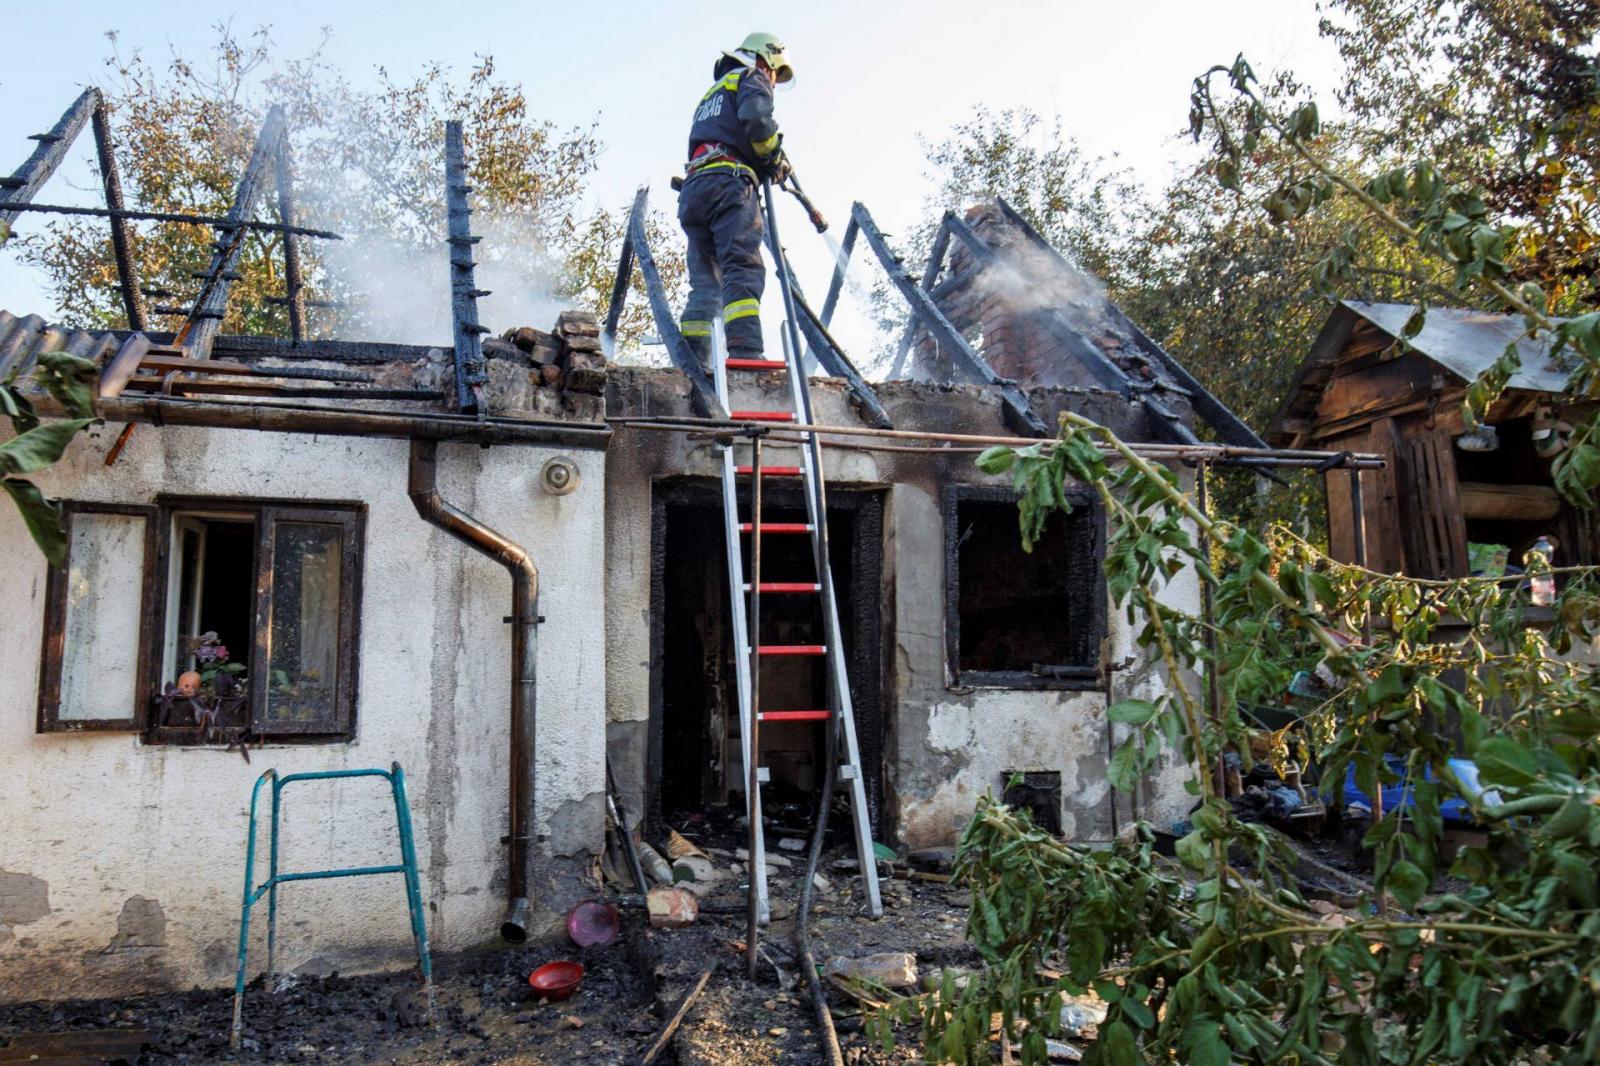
(1086, 950)
(1408, 883)
(1502, 761)
(39, 446)
(41, 516)
(17, 407)
(1116, 1046)
(70, 379)
(997, 460)
(1123, 772)
(1193, 851)
(1202, 1038)
(1131, 712)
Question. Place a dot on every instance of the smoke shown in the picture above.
(396, 288)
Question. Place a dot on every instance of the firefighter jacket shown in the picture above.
(736, 112)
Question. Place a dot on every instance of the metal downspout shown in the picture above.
(422, 486)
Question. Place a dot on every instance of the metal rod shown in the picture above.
(294, 296)
(343, 421)
(753, 917)
(1194, 452)
(27, 179)
(221, 222)
(1358, 518)
(111, 181)
(1018, 412)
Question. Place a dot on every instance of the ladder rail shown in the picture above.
(811, 471)
(739, 623)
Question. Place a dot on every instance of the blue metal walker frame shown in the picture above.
(269, 888)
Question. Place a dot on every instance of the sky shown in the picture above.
(873, 81)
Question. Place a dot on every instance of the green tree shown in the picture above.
(1221, 958)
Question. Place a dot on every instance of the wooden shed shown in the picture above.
(1362, 389)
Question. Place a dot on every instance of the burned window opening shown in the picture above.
(693, 757)
(1018, 619)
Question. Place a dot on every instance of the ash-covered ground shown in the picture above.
(486, 1012)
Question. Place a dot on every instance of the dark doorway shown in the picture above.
(694, 758)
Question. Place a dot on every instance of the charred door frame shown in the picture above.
(865, 624)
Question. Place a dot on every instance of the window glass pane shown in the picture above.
(303, 646)
(105, 582)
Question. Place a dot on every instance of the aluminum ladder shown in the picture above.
(748, 646)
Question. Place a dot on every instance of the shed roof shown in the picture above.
(1468, 342)
(1462, 341)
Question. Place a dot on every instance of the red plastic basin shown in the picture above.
(556, 980)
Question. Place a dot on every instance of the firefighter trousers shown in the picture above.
(720, 211)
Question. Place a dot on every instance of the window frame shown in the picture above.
(265, 512)
(52, 655)
(1086, 509)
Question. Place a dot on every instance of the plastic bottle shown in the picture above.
(1543, 585)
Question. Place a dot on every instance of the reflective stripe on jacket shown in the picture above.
(736, 112)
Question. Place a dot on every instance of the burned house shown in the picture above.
(351, 522)
(1450, 500)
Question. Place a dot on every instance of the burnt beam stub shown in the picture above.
(619, 285)
(25, 182)
(111, 181)
(470, 373)
(204, 322)
(294, 282)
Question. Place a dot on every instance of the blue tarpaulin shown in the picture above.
(1402, 795)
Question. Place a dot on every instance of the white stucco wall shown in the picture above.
(122, 861)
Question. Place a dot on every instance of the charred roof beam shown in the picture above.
(1019, 414)
(638, 246)
(25, 182)
(930, 275)
(204, 321)
(470, 372)
(1056, 323)
(1229, 426)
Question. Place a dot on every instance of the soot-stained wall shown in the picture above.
(944, 745)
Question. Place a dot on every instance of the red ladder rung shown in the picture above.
(795, 716)
(771, 471)
(777, 527)
(756, 364)
(791, 649)
(761, 416)
(788, 586)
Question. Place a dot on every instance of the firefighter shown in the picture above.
(733, 144)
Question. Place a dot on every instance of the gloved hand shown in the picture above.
(777, 169)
